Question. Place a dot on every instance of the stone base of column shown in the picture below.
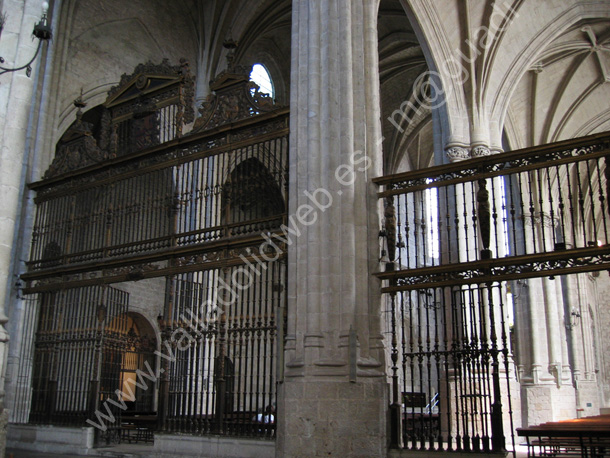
(543, 403)
(587, 396)
(332, 418)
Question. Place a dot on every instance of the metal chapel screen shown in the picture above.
(176, 224)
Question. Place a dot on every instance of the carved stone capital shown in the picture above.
(480, 151)
(457, 153)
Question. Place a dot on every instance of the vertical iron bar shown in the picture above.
(542, 214)
(532, 215)
(572, 212)
(395, 414)
(465, 225)
(402, 415)
(592, 207)
(551, 208)
(581, 205)
(602, 201)
(561, 207)
(498, 443)
(448, 249)
(484, 217)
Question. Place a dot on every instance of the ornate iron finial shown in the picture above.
(484, 217)
(231, 45)
(79, 127)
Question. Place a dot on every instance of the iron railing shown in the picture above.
(75, 336)
(207, 189)
(224, 375)
(455, 236)
(517, 213)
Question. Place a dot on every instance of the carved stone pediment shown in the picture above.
(234, 98)
(135, 101)
(149, 79)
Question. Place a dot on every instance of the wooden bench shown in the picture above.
(138, 426)
(587, 437)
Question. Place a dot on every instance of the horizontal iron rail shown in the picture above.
(141, 265)
(499, 269)
(493, 165)
(168, 241)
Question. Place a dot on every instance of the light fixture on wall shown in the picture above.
(42, 31)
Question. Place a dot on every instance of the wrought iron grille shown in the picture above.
(220, 349)
(452, 366)
(20, 409)
(454, 236)
(192, 210)
(72, 340)
(188, 199)
(517, 214)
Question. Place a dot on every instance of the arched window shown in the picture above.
(260, 76)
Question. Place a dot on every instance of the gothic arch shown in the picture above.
(251, 192)
(440, 58)
(410, 91)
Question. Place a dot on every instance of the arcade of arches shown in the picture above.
(399, 244)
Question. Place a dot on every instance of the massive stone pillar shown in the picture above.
(333, 400)
(16, 96)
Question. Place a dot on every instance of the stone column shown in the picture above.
(16, 93)
(546, 389)
(333, 401)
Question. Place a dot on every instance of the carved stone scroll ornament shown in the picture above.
(234, 98)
